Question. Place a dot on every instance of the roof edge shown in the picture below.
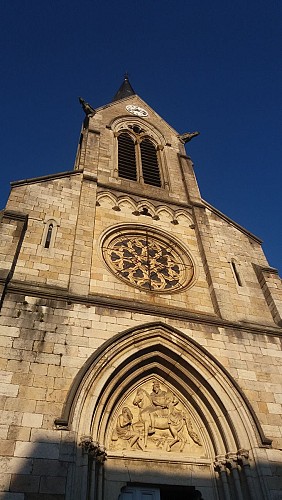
(43, 178)
(231, 221)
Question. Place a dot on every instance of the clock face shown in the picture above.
(136, 110)
(147, 261)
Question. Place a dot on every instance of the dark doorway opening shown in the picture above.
(170, 492)
(173, 492)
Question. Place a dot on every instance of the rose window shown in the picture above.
(148, 261)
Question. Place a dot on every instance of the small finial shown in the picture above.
(126, 75)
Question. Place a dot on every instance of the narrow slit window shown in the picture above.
(126, 157)
(48, 236)
(236, 273)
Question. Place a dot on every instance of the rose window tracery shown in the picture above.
(147, 261)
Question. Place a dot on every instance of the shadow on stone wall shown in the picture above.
(39, 471)
(45, 471)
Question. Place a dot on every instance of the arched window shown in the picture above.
(150, 166)
(126, 157)
(138, 159)
(236, 273)
(48, 236)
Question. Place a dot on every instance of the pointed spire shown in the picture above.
(125, 89)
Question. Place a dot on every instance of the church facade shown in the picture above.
(140, 328)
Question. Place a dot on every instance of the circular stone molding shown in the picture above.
(136, 110)
(147, 259)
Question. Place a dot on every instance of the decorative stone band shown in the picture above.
(93, 449)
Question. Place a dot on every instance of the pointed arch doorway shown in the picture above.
(164, 411)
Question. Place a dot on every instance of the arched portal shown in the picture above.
(166, 412)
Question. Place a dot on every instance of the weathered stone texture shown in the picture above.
(63, 305)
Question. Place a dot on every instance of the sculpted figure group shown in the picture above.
(159, 418)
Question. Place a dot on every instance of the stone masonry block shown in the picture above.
(10, 390)
(18, 404)
(18, 433)
(14, 465)
(37, 450)
(44, 436)
(6, 417)
(4, 481)
(54, 467)
(7, 447)
(49, 485)
(18, 366)
(32, 420)
(24, 483)
(4, 431)
(9, 331)
(14, 496)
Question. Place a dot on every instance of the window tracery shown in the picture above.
(138, 157)
(146, 259)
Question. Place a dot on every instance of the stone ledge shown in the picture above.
(44, 178)
(145, 308)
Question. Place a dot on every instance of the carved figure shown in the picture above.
(124, 428)
(158, 411)
(88, 110)
(188, 136)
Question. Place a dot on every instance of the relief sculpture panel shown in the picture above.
(153, 418)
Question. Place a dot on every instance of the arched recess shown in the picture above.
(225, 418)
(140, 131)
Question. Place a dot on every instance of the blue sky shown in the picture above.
(214, 66)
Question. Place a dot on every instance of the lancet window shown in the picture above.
(138, 158)
(49, 233)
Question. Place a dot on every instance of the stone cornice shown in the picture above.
(12, 214)
(44, 178)
(57, 293)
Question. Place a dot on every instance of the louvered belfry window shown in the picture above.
(138, 161)
(150, 166)
(126, 157)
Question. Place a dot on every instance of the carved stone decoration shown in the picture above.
(148, 260)
(153, 418)
(94, 449)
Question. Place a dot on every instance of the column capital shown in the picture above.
(220, 463)
(93, 449)
(243, 457)
(231, 460)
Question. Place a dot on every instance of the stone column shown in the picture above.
(244, 462)
(231, 463)
(92, 489)
(220, 468)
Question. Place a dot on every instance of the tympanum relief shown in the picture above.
(153, 418)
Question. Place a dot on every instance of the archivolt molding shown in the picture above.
(123, 123)
(221, 413)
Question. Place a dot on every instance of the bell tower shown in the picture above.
(141, 327)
